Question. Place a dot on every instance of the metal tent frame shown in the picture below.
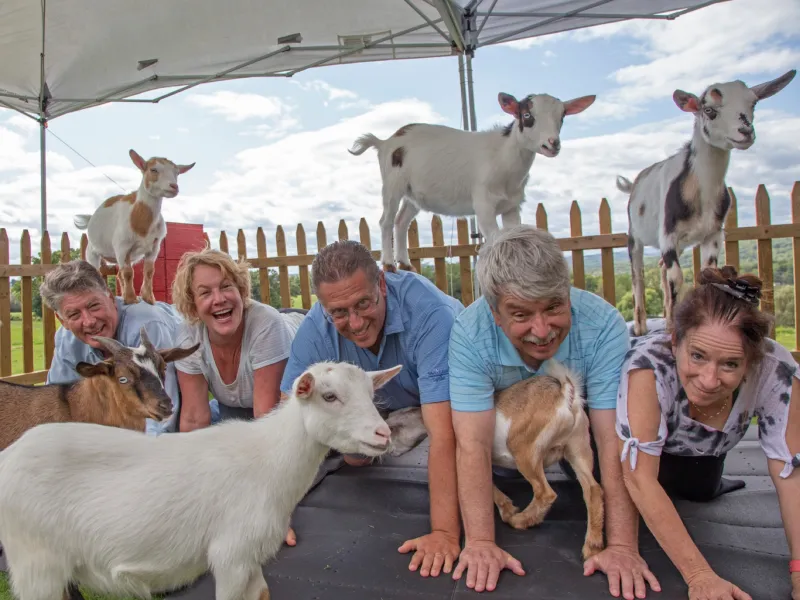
(461, 25)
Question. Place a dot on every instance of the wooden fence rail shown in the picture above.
(763, 232)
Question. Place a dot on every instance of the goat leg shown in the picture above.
(579, 454)
(671, 282)
(408, 210)
(146, 291)
(128, 292)
(543, 495)
(391, 204)
(636, 255)
(504, 505)
(73, 593)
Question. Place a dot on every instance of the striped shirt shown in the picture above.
(418, 321)
(484, 361)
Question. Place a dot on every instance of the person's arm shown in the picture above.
(440, 548)
(195, 409)
(267, 387)
(306, 348)
(472, 403)
(788, 487)
(655, 506)
(62, 367)
(624, 567)
(268, 352)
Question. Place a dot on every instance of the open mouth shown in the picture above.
(538, 345)
(223, 316)
(360, 335)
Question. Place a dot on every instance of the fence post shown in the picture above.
(27, 304)
(5, 309)
(607, 255)
(576, 230)
(263, 272)
(302, 248)
(764, 252)
(48, 317)
(732, 222)
(283, 271)
(467, 290)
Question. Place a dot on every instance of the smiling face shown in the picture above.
(217, 300)
(87, 314)
(536, 328)
(357, 307)
(711, 363)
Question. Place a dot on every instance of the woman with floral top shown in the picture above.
(687, 397)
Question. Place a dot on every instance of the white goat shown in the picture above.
(132, 515)
(458, 173)
(683, 200)
(128, 228)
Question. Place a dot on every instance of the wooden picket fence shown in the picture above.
(764, 231)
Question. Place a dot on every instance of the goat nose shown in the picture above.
(383, 432)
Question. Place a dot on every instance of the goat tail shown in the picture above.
(570, 380)
(365, 141)
(81, 221)
(624, 184)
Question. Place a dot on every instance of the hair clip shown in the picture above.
(739, 288)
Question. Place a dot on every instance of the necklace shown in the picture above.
(706, 415)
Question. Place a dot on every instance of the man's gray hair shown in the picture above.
(525, 262)
(71, 277)
(340, 260)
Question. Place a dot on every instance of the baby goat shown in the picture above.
(458, 173)
(121, 391)
(126, 229)
(126, 514)
(538, 421)
(683, 200)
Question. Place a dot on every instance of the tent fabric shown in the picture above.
(96, 51)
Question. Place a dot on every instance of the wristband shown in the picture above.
(794, 566)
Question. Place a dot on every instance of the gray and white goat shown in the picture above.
(683, 200)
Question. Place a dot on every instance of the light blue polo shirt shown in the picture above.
(161, 323)
(483, 360)
(416, 332)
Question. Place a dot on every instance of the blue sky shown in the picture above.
(274, 151)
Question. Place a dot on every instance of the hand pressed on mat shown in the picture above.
(623, 565)
(483, 562)
(436, 552)
(707, 585)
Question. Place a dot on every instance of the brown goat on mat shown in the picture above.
(538, 421)
(121, 391)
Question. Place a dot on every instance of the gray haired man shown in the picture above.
(85, 307)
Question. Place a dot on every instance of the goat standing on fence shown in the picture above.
(128, 228)
(459, 173)
(130, 515)
(122, 391)
(683, 200)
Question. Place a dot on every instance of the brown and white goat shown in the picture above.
(121, 391)
(538, 421)
(683, 200)
(128, 228)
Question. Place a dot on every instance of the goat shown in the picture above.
(121, 391)
(458, 173)
(126, 514)
(128, 228)
(538, 421)
(683, 200)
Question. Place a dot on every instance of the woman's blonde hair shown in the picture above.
(182, 295)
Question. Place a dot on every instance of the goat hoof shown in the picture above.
(508, 512)
(389, 268)
(406, 267)
(520, 521)
(149, 298)
(133, 300)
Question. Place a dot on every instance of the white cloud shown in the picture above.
(237, 107)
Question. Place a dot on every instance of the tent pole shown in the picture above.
(470, 123)
(43, 163)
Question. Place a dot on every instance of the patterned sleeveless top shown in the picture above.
(764, 393)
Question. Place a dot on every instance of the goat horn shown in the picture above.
(145, 340)
(110, 344)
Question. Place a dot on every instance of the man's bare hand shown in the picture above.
(483, 562)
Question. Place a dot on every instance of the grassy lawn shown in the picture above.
(17, 365)
(5, 592)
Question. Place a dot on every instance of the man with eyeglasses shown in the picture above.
(378, 320)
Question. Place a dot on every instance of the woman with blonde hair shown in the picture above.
(687, 397)
(244, 344)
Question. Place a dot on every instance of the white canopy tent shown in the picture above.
(62, 56)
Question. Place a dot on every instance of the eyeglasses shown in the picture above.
(362, 307)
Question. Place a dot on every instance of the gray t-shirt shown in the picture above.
(267, 339)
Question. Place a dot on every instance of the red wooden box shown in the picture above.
(181, 238)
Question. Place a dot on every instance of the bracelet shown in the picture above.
(794, 566)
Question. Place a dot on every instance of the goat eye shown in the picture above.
(123, 380)
(710, 112)
(329, 397)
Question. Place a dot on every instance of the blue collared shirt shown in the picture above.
(161, 323)
(484, 361)
(418, 321)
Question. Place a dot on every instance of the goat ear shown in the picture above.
(85, 369)
(508, 103)
(381, 378)
(137, 160)
(304, 386)
(184, 168)
(686, 102)
(770, 88)
(578, 105)
(173, 354)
